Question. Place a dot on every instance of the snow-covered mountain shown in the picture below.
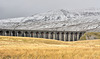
(62, 20)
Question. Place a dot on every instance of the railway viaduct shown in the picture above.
(56, 35)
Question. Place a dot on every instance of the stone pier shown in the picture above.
(56, 35)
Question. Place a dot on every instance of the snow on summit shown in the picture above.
(61, 20)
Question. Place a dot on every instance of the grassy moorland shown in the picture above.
(38, 48)
(90, 35)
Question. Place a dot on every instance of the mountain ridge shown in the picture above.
(61, 20)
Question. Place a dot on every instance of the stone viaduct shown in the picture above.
(56, 35)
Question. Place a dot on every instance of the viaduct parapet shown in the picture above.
(56, 35)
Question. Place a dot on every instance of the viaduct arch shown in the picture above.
(56, 35)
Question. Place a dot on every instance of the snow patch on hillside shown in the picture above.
(62, 20)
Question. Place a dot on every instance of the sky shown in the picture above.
(21, 8)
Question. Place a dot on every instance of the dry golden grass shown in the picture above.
(38, 48)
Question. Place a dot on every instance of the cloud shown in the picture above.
(18, 8)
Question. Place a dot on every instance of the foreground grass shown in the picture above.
(37, 48)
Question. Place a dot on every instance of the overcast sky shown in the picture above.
(19, 8)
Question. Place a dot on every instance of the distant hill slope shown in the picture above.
(90, 36)
(68, 20)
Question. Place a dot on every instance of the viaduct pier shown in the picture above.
(56, 35)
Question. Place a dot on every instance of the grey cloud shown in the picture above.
(18, 8)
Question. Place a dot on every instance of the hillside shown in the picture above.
(63, 19)
(90, 36)
(38, 48)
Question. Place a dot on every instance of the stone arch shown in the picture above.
(7, 33)
(13, 33)
(19, 33)
(42, 34)
(51, 35)
(1, 32)
(26, 34)
(80, 34)
(31, 33)
(76, 36)
(62, 35)
(71, 39)
(47, 34)
(67, 36)
(37, 34)
(57, 37)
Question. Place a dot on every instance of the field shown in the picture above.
(38, 48)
